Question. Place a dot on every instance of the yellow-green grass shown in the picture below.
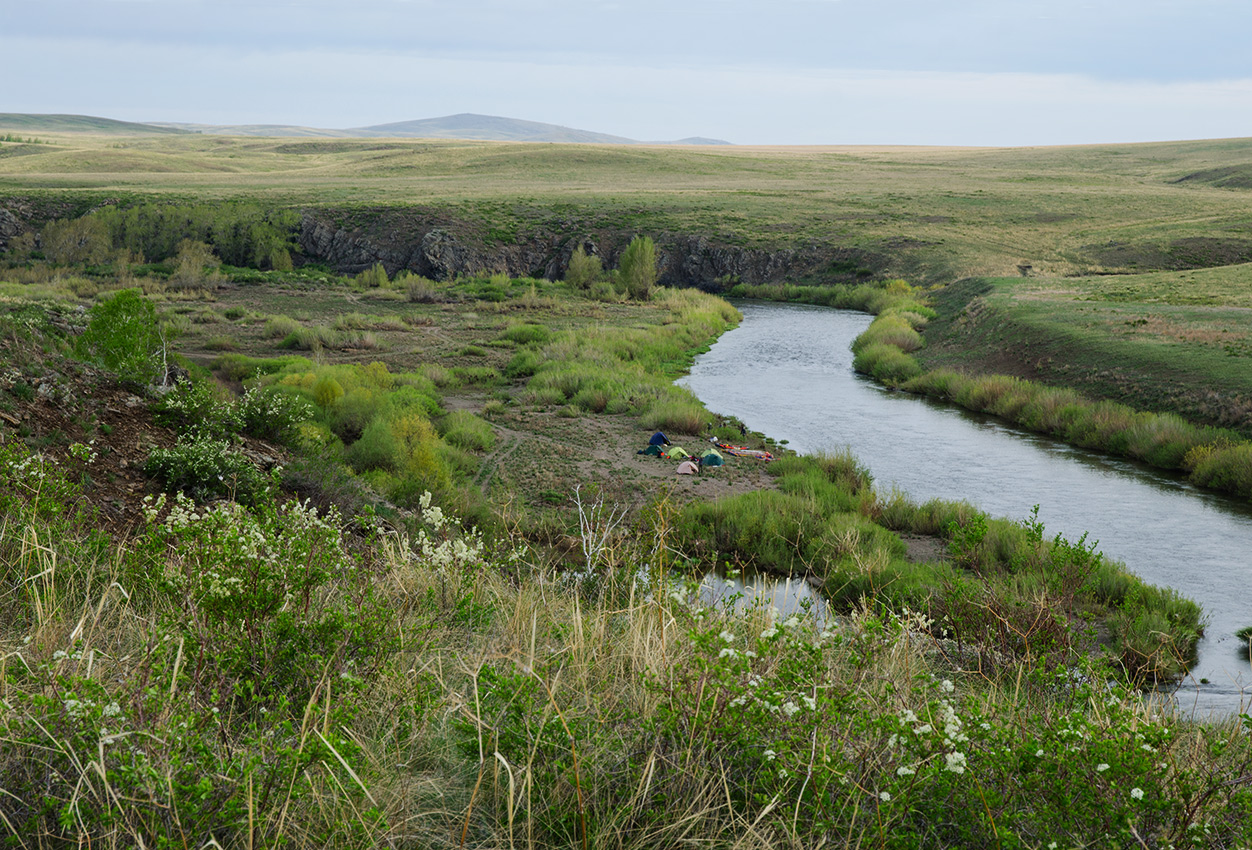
(940, 213)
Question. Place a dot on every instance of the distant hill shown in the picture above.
(283, 131)
(466, 125)
(35, 123)
(488, 127)
(463, 126)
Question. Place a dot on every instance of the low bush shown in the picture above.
(124, 335)
(205, 469)
(527, 334)
(466, 431)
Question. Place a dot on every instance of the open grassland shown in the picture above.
(942, 213)
(1167, 341)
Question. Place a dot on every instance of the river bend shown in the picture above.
(786, 371)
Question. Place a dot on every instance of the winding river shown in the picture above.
(786, 371)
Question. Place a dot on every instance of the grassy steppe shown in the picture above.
(939, 213)
(1165, 341)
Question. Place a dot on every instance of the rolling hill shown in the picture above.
(34, 123)
(462, 126)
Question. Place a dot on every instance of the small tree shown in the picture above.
(638, 268)
(195, 265)
(123, 334)
(583, 270)
(76, 240)
(373, 277)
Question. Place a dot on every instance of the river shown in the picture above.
(786, 371)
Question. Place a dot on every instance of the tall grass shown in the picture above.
(470, 698)
(1213, 457)
(1002, 583)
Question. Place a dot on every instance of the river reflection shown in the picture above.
(787, 372)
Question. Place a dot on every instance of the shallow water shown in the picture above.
(786, 371)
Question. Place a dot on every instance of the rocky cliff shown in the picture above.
(440, 249)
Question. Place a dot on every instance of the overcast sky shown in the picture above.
(976, 72)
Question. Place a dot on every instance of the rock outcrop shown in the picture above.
(10, 226)
(441, 250)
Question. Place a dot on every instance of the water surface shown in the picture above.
(786, 371)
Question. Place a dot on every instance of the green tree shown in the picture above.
(583, 270)
(124, 335)
(638, 268)
(77, 240)
(195, 265)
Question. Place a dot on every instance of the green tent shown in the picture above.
(653, 450)
(711, 457)
(676, 452)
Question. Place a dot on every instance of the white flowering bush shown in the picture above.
(199, 406)
(776, 717)
(204, 408)
(271, 598)
(206, 468)
(271, 413)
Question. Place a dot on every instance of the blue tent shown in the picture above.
(659, 439)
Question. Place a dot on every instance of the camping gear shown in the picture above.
(658, 439)
(744, 451)
(711, 457)
(688, 467)
(653, 451)
(676, 453)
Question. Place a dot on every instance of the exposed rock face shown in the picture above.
(9, 227)
(441, 251)
(441, 255)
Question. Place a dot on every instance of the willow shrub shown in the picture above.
(467, 431)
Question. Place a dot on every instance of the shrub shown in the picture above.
(372, 278)
(205, 469)
(419, 290)
(281, 326)
(583, 270)
(637, 268)
(123, 335)
(199, 406)
(377, 448)
(271, 413)
(271, 596)
(527, 334)
(466, 431)
(327, 392)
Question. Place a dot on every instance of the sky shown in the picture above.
(793, 72)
